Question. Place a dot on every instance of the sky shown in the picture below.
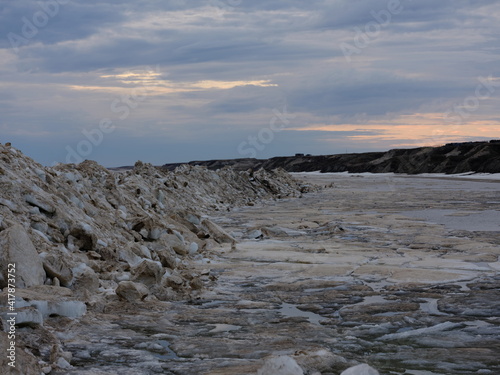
(174, 81)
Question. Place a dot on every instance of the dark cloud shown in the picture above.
(48, 22)
(375, 95)
(412, 15)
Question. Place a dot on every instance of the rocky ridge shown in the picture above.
(83, 237)
(481, 157)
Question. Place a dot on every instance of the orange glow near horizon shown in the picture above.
(415, 130)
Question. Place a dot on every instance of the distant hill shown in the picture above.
(451, 158)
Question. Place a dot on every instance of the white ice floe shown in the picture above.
(290, 311)
(363, 369)
(431, 307)
(421, 331)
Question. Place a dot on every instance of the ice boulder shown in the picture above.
(363, 369)
(216, 232)
(56, 265)
(132, 292)
(19, 252)
(147, 272)
(319, 361)
(70, 309)
(27, 315)
(282, 365)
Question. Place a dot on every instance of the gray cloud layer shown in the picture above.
(409, 59)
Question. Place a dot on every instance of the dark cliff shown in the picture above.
(451, 158)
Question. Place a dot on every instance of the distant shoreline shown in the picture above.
(452, 158)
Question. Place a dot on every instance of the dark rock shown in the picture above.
(147, 272)
(131, 291)
(58, 267)
(481, 157)
(86, 240)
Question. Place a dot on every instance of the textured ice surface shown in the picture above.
(290, 310)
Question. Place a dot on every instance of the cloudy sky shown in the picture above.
(171, 81)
